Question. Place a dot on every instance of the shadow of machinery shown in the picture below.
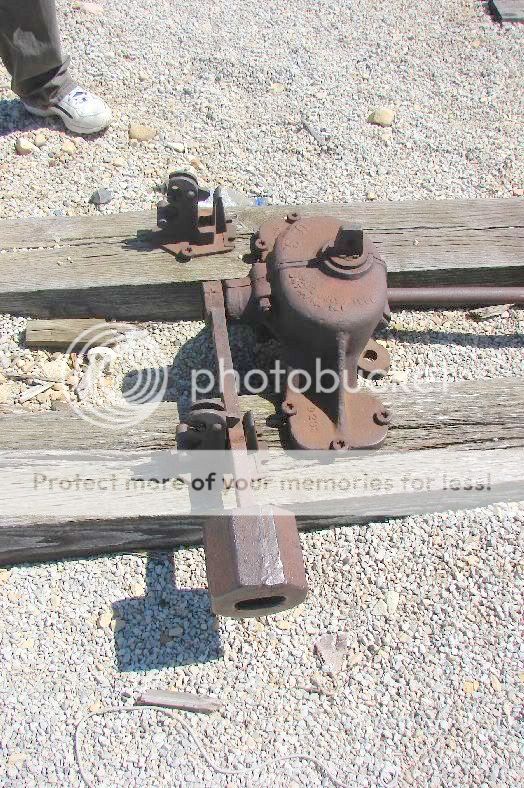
(166, 627)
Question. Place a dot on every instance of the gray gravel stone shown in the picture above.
(101, 197)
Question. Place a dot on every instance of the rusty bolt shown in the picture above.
(338, 445)
(186, 252)
(291, 218)
(254, 563)
(260, 244)
(288, 409)
(382, 417)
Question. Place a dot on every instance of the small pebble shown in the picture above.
(69, 147)
(24, 146)
(382, 117)
(104, 620)
(40, 140)
(101, 196)
(141, 133)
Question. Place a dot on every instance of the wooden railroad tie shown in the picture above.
(99, 267)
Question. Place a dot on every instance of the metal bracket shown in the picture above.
(189, 229)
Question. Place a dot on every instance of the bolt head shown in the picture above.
(288, 408)
(339, 445)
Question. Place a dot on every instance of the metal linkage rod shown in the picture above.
(457, 294)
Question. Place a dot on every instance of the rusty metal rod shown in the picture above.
(459, 295)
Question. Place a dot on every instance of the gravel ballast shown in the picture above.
(432, 690)
(276, 100)
(231, 84)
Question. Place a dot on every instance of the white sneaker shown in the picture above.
(82, 112)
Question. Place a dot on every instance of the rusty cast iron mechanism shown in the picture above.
(188, 229)
(320, 287)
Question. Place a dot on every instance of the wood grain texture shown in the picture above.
(146, 521)
(466, 414)
(63, 334)
(507, 10)
(479, 214)
(481, 419)
(96, 266)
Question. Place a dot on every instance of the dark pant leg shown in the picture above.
(30, 50)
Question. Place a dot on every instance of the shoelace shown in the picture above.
(77, 96)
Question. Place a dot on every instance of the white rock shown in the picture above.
(177, 147)
(380, 608)
(6, 393)
(137, 589)
(24, 146)
(89, 8)
(332, 650)
(69, 147)
(104, 620)
(40, 139)
(392, 600)
(382, 117)
(56, 370)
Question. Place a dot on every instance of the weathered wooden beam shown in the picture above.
(507, 10)
(126, 518)
(63, 334)
(477, 214)
(96, 266)
(482, 419)
(465, 414)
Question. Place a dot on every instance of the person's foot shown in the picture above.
(82, 112)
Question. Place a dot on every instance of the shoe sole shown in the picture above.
(66, 120)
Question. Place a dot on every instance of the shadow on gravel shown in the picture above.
(15, 117)
(168, 626)
(197, 354)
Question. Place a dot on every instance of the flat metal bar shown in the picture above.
(243, 465)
